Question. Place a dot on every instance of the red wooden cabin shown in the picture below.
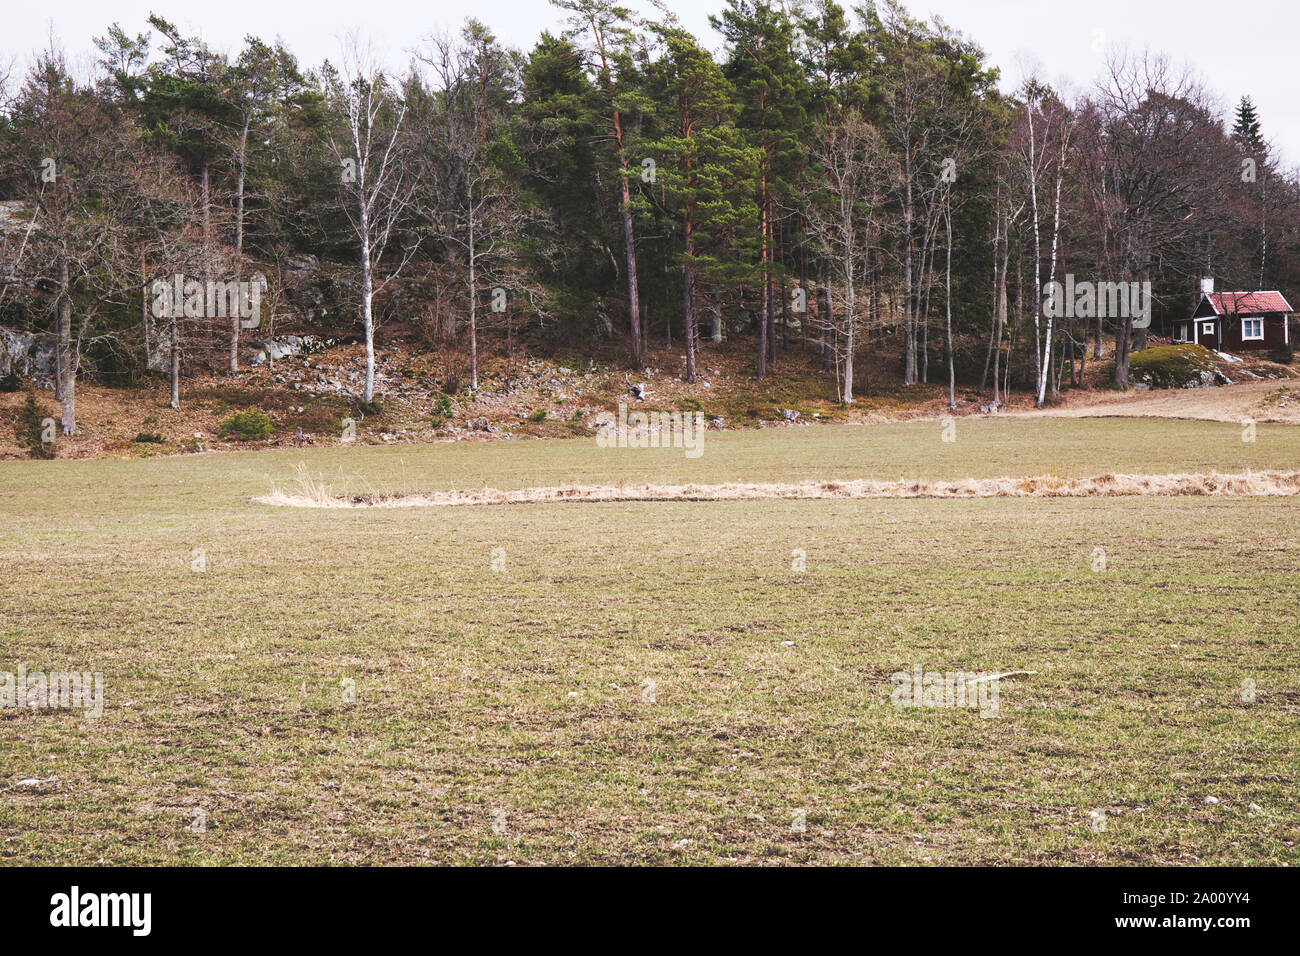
(1237, 321)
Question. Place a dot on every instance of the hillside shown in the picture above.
(310, 397)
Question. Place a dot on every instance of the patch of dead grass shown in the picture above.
(314, 492)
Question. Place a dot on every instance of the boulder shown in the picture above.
(285, 346)
(302, 264)
(31, 355)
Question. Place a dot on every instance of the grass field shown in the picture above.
(507, 715)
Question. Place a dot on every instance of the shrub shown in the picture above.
(319, 418)
(443, 412)
(150, 438)
(1282, 354)
(35, 429)
(451, 384)
(372, 409)
(10, 382)
(690, 405)
(538, 416)
(251, 425)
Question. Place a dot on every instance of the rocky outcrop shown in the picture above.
(15, 215)
(285, 346)
(30, 354)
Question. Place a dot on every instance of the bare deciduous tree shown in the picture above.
(376, 174)
(844, 216)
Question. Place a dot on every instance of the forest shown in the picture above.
(848, 183)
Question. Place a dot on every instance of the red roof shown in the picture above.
(1247, 303)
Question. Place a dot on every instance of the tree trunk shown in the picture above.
(764, 306)
(785, 297)
(909, 309)
(1123, 333)
(367, 304)
(803, 287)
(846, 395)
(689, 312)
(239, 241)
(1002, 308)
(716, 307)
(473, 301)
(1045, 372)
(174, 333)
(205, 202)
(826, 317)
(923, 319)
(629, 250)
(146, 315)
(668, 313)
(947, 282)
(67, 370)
(993, 325)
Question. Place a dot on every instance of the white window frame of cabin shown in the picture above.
(1245, 323)
(1179, 334)
(1207, 328)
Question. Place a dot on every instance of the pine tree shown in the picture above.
(610, 39)
(772, 89)
(705, 166)
(560, 116)
(1246, 131)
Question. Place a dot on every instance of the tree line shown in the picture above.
(846, 182)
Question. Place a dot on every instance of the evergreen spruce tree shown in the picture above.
(1246, 131)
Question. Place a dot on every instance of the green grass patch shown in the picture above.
(657, 683)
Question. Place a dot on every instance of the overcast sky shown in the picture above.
(1239, 48)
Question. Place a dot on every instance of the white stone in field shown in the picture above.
(1211, 800)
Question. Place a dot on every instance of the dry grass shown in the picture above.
(316, 493)
(1269, 401)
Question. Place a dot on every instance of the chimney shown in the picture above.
(1207, 285)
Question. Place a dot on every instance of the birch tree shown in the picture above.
(375, 175)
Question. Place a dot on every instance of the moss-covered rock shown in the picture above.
(1174, 366)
